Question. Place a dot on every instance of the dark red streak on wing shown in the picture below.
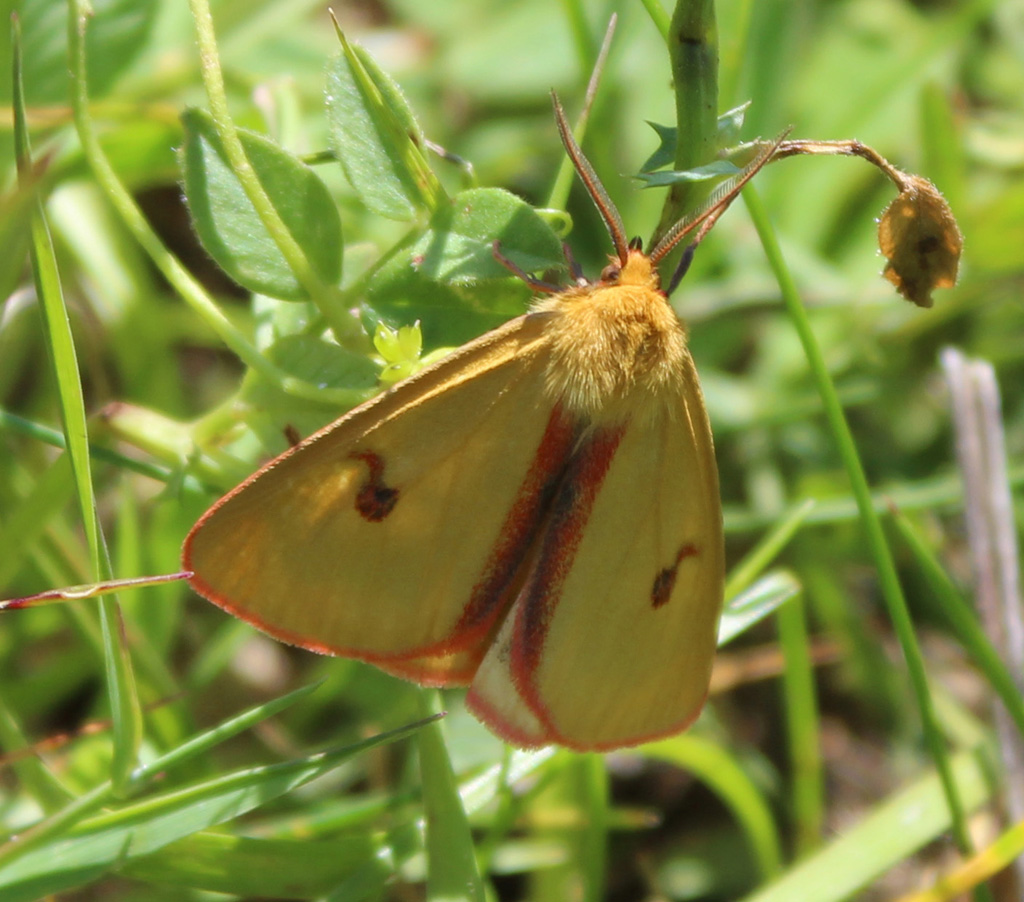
(503, 568)
(570, 512)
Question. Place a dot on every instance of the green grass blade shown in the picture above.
(52, 827)
(719, 770)
(57, 328)
(754, 604)
(208, 739)
(268, 868)
(802, 727)
(124, 702)
(963, 622)
(451, 860)
(997, 856)
(744, 573)
(140, 828)
(891, 833)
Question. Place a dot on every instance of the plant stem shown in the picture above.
(693, 53)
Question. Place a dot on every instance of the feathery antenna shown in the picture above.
(707, 214)
(586, 172)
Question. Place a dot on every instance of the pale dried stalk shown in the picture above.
(981, 453)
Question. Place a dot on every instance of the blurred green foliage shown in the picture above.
(937, 87)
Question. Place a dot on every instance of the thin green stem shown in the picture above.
(693, 52)
(735, 53)
(767, 549)
(659, 17)
(889, 583)
(802, 726)
(57, 824)
(14, 423)
(963, 622)
(591, 777)
(581, 39)
(559, 194)
(345, 327)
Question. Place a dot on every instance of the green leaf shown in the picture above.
(756, 603)
(318, 362)
(266, 868)
(375, 137)
(459, 245)
(666, 152)
(450, 313)
(729, 125)
(323, 363)
(118, 32)
(716, 170)
(229, 227)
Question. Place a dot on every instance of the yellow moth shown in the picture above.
(536, 516)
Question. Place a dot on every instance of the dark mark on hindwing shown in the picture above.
(665, 581)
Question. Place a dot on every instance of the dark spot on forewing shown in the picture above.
(376, 499)
(665, 581)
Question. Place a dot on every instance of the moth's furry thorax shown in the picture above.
(618, 350)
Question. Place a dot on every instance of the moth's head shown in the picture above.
(638, 270)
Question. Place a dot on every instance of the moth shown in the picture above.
(536, 516)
